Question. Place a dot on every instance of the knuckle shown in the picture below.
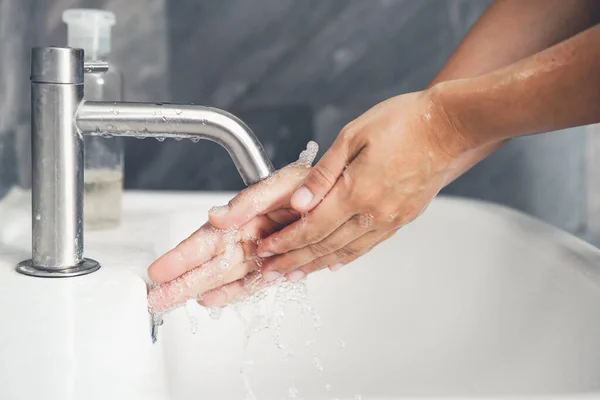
(321, 177)
(346, 252)
(320, 249)
(308, 236)
(386, 215)
(348, 133)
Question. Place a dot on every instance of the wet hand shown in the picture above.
(381, 173)
(219, 266)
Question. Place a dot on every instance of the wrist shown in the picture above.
(451, 129)
(471, 112)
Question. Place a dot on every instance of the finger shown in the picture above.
(207, 242)
(235, 291)
(342, 203)
(300, 273)
(342, 236)
(354, 250)
(197, 249)
(325, 173)
(219, 271)
(267, 195)
(348, 260)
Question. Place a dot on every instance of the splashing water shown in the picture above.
(292, 393)
(317, 364)
(230, 240)
(307, 156)
(192, 319)
(305, 160)
(214, 312)
(262, 306)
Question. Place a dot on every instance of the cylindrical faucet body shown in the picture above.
(57, 154)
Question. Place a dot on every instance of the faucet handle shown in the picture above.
(94, 67)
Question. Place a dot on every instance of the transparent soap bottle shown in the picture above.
(90, 30)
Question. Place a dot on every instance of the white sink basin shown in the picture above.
(471, 300)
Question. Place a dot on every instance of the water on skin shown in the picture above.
(305, 160)
(250, 309)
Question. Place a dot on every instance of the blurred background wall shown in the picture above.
(294, 70)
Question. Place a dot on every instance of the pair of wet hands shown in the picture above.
(231, 256)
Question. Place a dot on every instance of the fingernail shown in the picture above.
(296, 275)
(302, 197)
(336, 267)
(271, 276)
(265, 254)
(219, 211)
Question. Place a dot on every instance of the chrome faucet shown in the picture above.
(59, 119)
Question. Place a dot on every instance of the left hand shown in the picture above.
(381, 173)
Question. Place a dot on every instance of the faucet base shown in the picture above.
(87, 266)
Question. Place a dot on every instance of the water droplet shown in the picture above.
(107, 135)
(116, 112)
(160, 139)
(178, 111)
(110, 127)
(178, 138)
(195, 139)
(164, 118)
(140, 137)
(215, 313)
(317, 364)
(38, 217)
(193, 321)
(365, 220)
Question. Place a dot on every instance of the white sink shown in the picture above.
(471, 300)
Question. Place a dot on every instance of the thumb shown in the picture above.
(322, 177)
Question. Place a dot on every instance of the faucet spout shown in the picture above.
(160, 120)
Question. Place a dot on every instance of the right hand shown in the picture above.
(194, 270)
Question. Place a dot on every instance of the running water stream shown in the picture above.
(264, 305)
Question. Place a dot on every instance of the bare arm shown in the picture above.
(555, 89)
(509, 31)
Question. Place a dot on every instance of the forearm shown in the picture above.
(555, 89)
(511, 30)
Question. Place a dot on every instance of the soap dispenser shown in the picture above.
(90, 30)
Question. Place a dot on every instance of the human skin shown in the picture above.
(535, 77)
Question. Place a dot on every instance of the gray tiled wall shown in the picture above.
(294, 70)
